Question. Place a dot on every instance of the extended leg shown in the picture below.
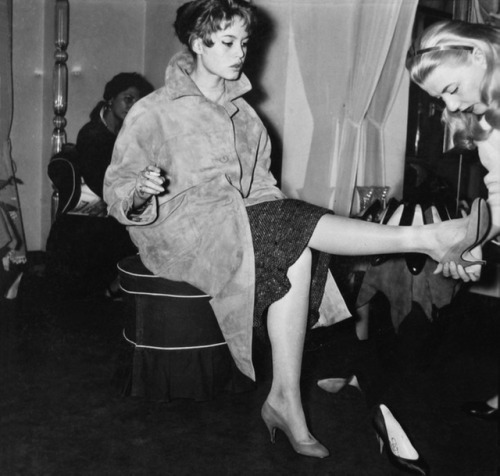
(347, 236)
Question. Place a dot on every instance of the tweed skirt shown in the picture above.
(281, 230)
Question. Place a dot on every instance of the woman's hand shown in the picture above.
(149, 182)
(457, 271)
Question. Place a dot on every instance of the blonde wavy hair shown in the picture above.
(460, 37)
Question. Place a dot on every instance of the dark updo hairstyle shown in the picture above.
(121, 82)
(202, 18)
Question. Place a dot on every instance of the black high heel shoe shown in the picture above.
(398, 447)
(274, 420)
(372, 212)
(392, 206)
(415, 262)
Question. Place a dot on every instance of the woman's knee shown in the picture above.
(303, 263)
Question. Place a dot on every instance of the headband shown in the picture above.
(441, 48)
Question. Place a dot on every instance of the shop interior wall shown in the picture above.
(107, 37)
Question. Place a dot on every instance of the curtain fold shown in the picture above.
(12, 240)
(343, 68)
(376, 27)
(372, 167)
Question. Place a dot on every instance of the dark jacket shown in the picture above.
(95, 144)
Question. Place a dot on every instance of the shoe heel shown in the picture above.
(272, 434)
(270, 428)
(380, 443)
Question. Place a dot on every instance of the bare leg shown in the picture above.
(347, 236)
(362, 323)
(286, 323)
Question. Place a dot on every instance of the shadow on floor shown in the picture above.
(63, 413)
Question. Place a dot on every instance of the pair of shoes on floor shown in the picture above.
(481, 410)
(273, 420)
(398, 447)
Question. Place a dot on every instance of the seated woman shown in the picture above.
(96, 139)
(83, 252)
(190, 178)
(94, 144)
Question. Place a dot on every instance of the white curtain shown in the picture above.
(377, 38)
(343, 66)
(485, 11)
(372, 168)
(12, 242)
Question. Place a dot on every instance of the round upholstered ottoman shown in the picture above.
(178, 348)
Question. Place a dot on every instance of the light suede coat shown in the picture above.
(217, 158)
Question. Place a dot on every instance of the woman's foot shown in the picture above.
(296, 431)
(454, 239)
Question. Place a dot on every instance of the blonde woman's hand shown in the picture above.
(457, 271)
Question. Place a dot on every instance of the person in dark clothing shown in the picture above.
(96, 139)
(84, 251)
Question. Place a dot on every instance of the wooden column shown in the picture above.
(60, 76)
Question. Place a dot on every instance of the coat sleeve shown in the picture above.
(134, 150)
(264, 182)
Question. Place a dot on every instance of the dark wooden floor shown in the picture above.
(63, 413)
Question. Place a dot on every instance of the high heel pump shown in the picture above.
(274, 420)
(400, 451)
(477, 229)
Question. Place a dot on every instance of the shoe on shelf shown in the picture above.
(477, 229)
(442, 209)
(398, 447)
(481, 410)
(274, 420)
(387, 218)
(413, 215)
(431, 215)
(372, 213)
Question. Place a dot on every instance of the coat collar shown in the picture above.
(178, 83)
